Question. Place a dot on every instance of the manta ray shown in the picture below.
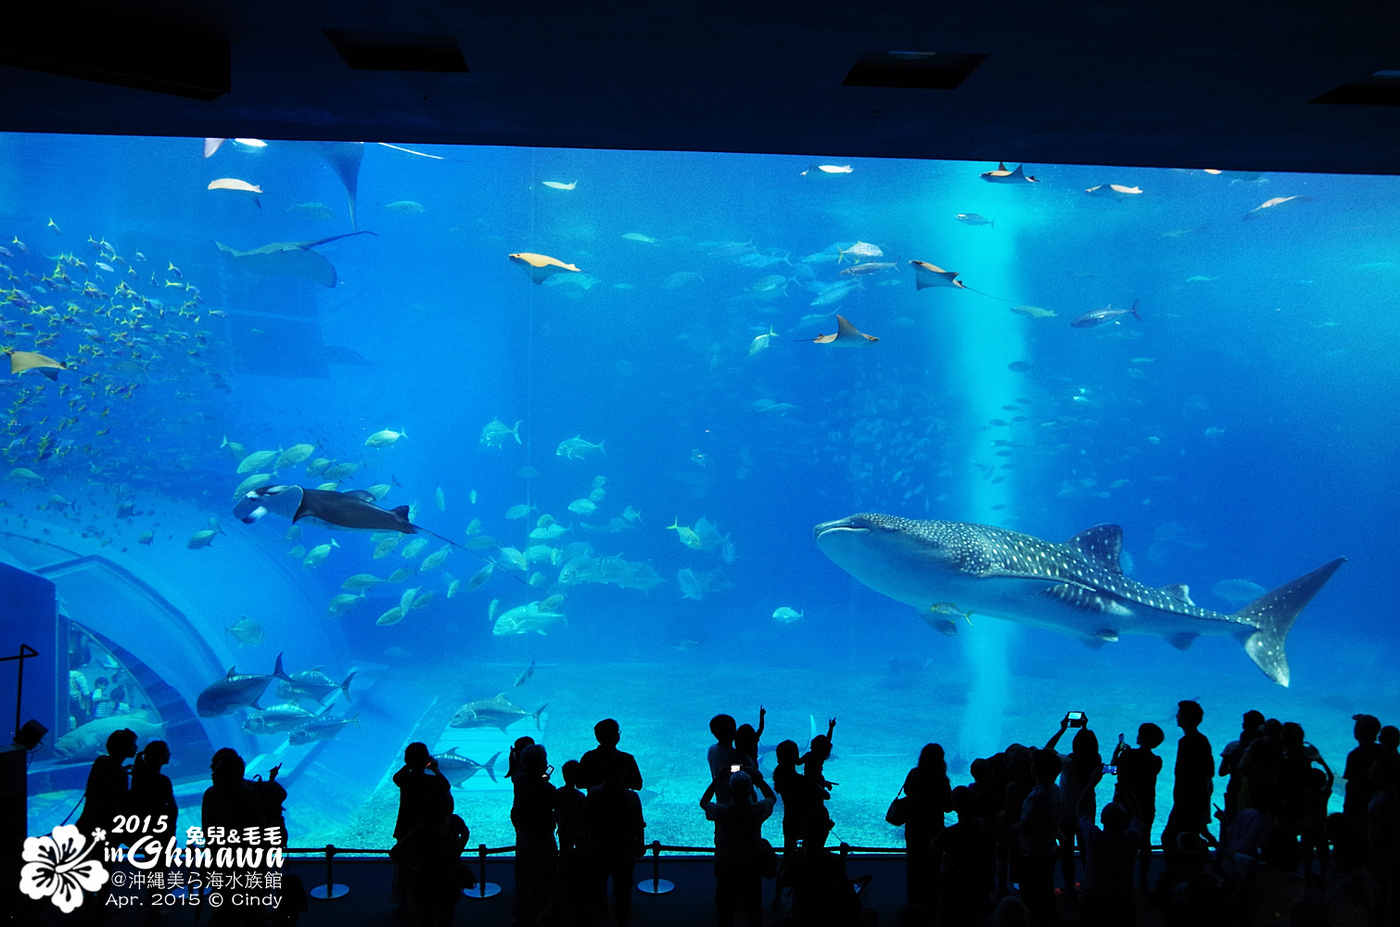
(847, 336)
(930, 275)
(21, 361)
(1077, 588)
(290, 258)
(341, 511)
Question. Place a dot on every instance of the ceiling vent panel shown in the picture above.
(397, 51)
(1379, 88)
(912, 70)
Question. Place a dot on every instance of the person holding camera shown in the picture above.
(1080, 767)
(421, 785)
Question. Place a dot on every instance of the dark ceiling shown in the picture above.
(1184, 83)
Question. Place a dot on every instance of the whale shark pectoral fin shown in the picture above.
(941, 625)
(1102, 544)
(1183, 641)
(1179, 591)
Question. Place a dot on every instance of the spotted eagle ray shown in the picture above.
(1077, 587)
(291, 258)
(344, 511)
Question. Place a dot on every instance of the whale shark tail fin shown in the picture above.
(1273, 614)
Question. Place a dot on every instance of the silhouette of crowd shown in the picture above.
(1027, 816)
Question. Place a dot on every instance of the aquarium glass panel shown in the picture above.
(328, 448)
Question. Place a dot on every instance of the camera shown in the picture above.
(1076, 718)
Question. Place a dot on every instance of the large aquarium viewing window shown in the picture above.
(314, 450)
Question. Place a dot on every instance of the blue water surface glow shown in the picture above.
(1244, 428)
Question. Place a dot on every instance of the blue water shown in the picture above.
(1244, 428)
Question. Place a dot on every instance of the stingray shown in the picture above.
(847, 336)
(291, 258)
(1002, 175)
(927, 275)
(21, 361)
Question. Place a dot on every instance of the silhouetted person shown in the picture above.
(723, 755)
(570, 906)
(822, 893)
(432, 855)
(1262, 770)
(421, 786)
(107, 785)
(1383, 835)
(1016, 767)
(1250, 726)
(813, 762)
(536, 855)
(605, 762)
(1188, 894)
(230, 803)
(738, 860)
(930, 795)
(968, 863)
(517, 750)
(1195, 770)
(612, 821)
(1350, 890)
(1108, 858)
(798, 803)
(151, 795)
(1357, 774)
(1036, 832)
(1389, 738)
(746, 739)
(1079, 766)
(1137, 774)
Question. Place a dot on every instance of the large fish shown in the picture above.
(495, 712)
(235, 691)
(1076, 587)
(347, 511)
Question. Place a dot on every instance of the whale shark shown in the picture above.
(1076, 587)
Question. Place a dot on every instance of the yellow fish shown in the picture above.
(540, 266)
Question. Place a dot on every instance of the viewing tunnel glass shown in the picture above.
(326, 448)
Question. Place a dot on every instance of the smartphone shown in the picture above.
(1075, 718)
(735, 768)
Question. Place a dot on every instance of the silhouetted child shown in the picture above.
(570, 905)
(793, 787)
(746, 739)
(1317, 792)
(815, 759)
(1137, 773)
(1390, 738)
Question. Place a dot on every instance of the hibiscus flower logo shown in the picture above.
(57, 866)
